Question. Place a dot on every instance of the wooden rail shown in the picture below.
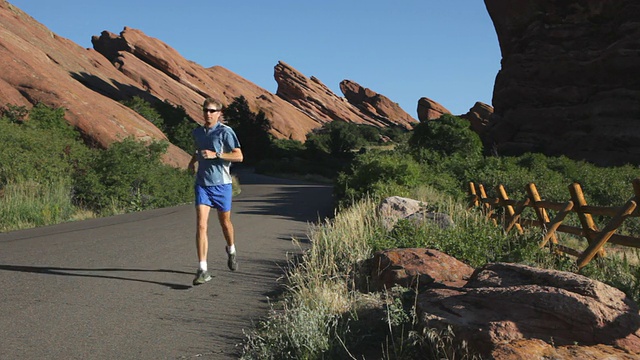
(513, 209)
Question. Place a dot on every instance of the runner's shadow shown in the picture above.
(70, 272)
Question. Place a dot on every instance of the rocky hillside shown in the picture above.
(568, 81)
(39, 66)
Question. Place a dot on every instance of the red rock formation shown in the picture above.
(39, 66)
(538, 349)
(479, 116)
(315, 99)
(502, 303)
(417, 268)
(42, 67)
(376, 105)
(430, 110)
(568, 81)
(164, 73)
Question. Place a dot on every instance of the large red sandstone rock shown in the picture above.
(417, 268)
(479, 116)
(502, 303)
(164, 73)
(376, 105)
(430, 110)
(540, 350)
(39, 66)
(42, 67)
(568, 81)
(315, 99)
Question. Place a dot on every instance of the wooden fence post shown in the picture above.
(516, 216)
(473, 197)
(589, 227)
(540, 211)
(485, 205)
(502, 193)
(606, 233)
(556, 222)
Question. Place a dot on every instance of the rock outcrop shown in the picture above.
(376, 105)
(394, 208)
(165, 74)
(316, 100)
(429, 109)
(504, 303)
(417, 268)
(479, 117)
(39, 66)
(567, 83)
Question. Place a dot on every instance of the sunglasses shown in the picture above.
(211, 111)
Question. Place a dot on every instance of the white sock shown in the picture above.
(231, 249)
(203, 265)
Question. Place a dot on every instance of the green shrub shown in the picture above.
(43, 148)
(145, 109)
(48, 173)
(375, 173)
(447, 135)
(178, 125)
(131, 176)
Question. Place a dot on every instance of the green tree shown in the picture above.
(252, 129)
(446, 135)
(178, 125)
(344, 137)
(172, 120)
(338, 138)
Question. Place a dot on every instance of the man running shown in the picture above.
(217, 146)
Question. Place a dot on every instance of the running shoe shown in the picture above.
(231, 261)
(201, 277)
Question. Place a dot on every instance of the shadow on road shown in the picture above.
(72, 272)
(297, 203)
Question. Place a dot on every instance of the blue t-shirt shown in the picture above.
(219, 138)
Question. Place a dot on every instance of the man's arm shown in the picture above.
(192, 163)
(234, 156)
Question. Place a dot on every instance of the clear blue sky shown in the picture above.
(446, 50)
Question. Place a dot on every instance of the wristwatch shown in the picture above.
(218, 155)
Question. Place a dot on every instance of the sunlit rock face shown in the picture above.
(568, 82)
(359, 105)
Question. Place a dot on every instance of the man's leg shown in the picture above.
(202, 240)
(227, 227)
(202, 244)
(227, 230)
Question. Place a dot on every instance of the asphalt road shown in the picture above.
(120, 287)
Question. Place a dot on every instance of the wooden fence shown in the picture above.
(512, 210)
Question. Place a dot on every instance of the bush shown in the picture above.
(446, 135)
(377, 174)
(130, 175)
(42, 148)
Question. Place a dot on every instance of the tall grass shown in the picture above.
(27, 204)
(304, 324)
(324, 315)
(327, 313)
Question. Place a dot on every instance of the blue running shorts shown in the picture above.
(217, 196)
